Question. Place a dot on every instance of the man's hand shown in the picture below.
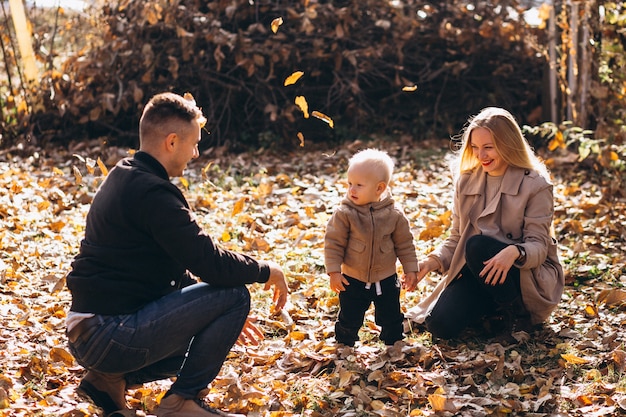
(279, 282)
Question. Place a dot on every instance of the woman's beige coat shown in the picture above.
(522, 212)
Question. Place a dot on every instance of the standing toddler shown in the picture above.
(364, 238)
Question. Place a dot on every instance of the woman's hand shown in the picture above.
(424, 267)
(409, 281)
(497, 268)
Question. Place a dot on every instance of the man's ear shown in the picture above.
(170, 142)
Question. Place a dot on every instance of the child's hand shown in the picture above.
(338, 282)
(409, 281)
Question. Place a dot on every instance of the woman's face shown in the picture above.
(481, 142)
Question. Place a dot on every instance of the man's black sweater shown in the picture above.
(142, 241)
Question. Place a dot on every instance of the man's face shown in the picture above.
(186, 149)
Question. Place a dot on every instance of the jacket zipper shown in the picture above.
(369, 269)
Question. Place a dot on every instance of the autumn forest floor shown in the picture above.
(275, 207)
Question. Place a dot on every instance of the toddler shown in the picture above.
(364, 238)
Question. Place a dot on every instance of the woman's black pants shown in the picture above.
(468, 299)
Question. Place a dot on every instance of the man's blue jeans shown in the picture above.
(186, 334)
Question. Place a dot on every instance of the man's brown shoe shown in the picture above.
(174, 405)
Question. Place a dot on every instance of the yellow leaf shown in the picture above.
(90, 164)
(102, 167)
(440, 403)
(301, 138)
(303, 106)
(57, 171)
(225, 236)
(323, 118)
(238, 208)
(297, 335)
(61, 355)
(557, 141)
(591, 310)
(77, 175)
(184, 182)
(409, 88)
(293, 78)
(276, 23)
(431, 232)
(573, 359)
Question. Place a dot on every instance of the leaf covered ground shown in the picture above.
(275, 206)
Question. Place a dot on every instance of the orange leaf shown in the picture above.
(303, 106)
(573, 359)
(276, 23)
(324, 118)
(409, 88)
(557, 141)
(238, 208)
(293, 78)
(102, 167)
(301, 138)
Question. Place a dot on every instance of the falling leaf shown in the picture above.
(301, 139)
(302, 105)
(276, 23)
(293, 78)
(189, 97)
(409, 88)
(324, 118)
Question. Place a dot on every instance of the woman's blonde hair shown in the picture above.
(508, 141)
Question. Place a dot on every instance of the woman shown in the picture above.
(500, 258)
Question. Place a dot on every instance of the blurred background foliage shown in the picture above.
(372, 66)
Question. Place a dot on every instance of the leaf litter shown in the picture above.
(275, 206)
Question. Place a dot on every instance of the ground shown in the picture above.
(275, 205)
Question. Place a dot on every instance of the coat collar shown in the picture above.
(511, 181)
(476, 182)
(386, 201)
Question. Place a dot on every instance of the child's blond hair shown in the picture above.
(378, 160)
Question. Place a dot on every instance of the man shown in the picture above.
(137, 313)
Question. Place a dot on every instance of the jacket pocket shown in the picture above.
(356, 246)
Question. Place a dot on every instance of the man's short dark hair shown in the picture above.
(165, 108)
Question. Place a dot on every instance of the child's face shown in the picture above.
(364, 186)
